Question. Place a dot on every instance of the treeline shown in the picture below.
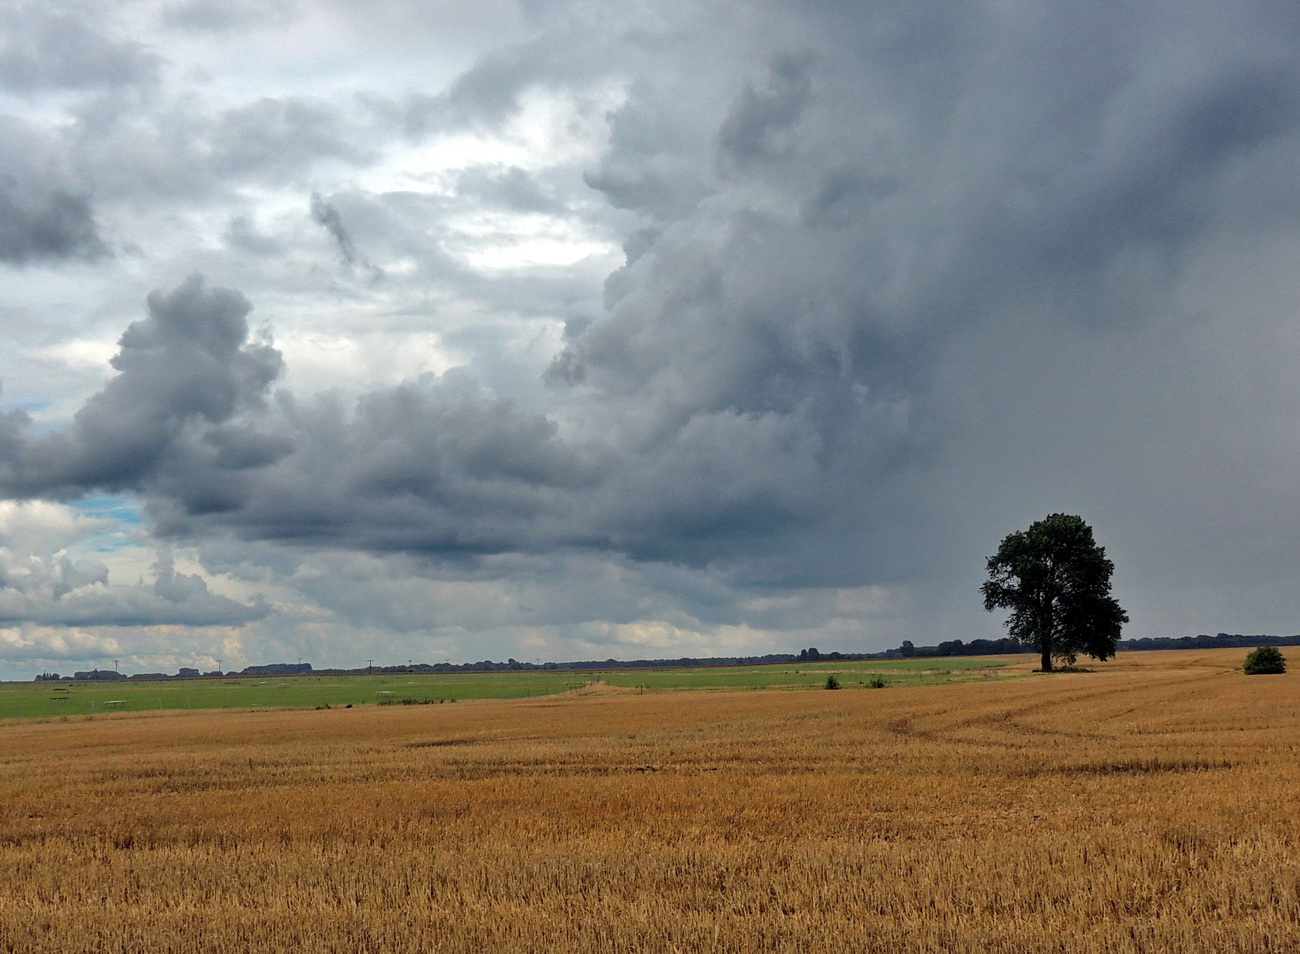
(951, 647)
(1007, 646)
(587, 665)
(186, 672)
(112, 675)
(955, 647)
(1221, 641)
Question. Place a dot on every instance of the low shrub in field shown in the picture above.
(407, 701)
(877, 683)
(832, 682)
(1265, 659)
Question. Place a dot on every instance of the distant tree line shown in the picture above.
(112, 675)
(587, 665)
(1009, 645)
(1221, 641)
(486, 665)
(811, 654)
(953, 647)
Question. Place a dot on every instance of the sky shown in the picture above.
(560, 329)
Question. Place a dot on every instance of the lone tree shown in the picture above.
(1056, 582)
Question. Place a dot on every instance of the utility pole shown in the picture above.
(370, 666)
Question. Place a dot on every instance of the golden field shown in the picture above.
(1150, 805)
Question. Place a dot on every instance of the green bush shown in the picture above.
(1265, 659)
(877, 683)
(832, 682)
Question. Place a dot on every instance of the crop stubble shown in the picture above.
(1148, 806)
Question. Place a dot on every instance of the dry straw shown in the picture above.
(1151, 806)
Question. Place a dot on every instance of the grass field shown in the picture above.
(53, 700)
(1150, 806)
(44, 700)
(894, 672)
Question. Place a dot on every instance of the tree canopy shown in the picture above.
(1055, 580)
(1265, 659)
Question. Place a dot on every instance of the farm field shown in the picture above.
(812, 675)
(45, 700)
(1152, 805)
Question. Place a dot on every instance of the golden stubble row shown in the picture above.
(1148, 806)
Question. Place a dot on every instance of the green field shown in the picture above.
(52, 700)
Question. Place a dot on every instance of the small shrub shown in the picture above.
(877, 683)
(1265, 659)
(832, 682)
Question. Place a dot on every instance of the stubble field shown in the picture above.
(1151, 805)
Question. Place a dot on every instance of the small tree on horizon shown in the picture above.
(1055, 579)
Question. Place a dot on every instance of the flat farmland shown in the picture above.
(1152, 805)
(55, 700)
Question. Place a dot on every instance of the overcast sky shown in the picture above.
(559, 329)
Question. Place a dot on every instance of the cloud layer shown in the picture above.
(671, 324)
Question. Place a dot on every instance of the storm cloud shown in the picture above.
(694, 327)
(436, 466)
(186, 374)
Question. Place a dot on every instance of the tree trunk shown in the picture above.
(1047, 659)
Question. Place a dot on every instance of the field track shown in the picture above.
(1152, 805)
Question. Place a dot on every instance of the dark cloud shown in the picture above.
(895, 276)
(437, 466)
(326, 215)
(653, 163)
(762, 122)
(766, 367)
(928, 176)
(56, 226)
(46, 215)
(186, 375)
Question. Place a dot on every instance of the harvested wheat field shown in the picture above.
(1151, 805)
